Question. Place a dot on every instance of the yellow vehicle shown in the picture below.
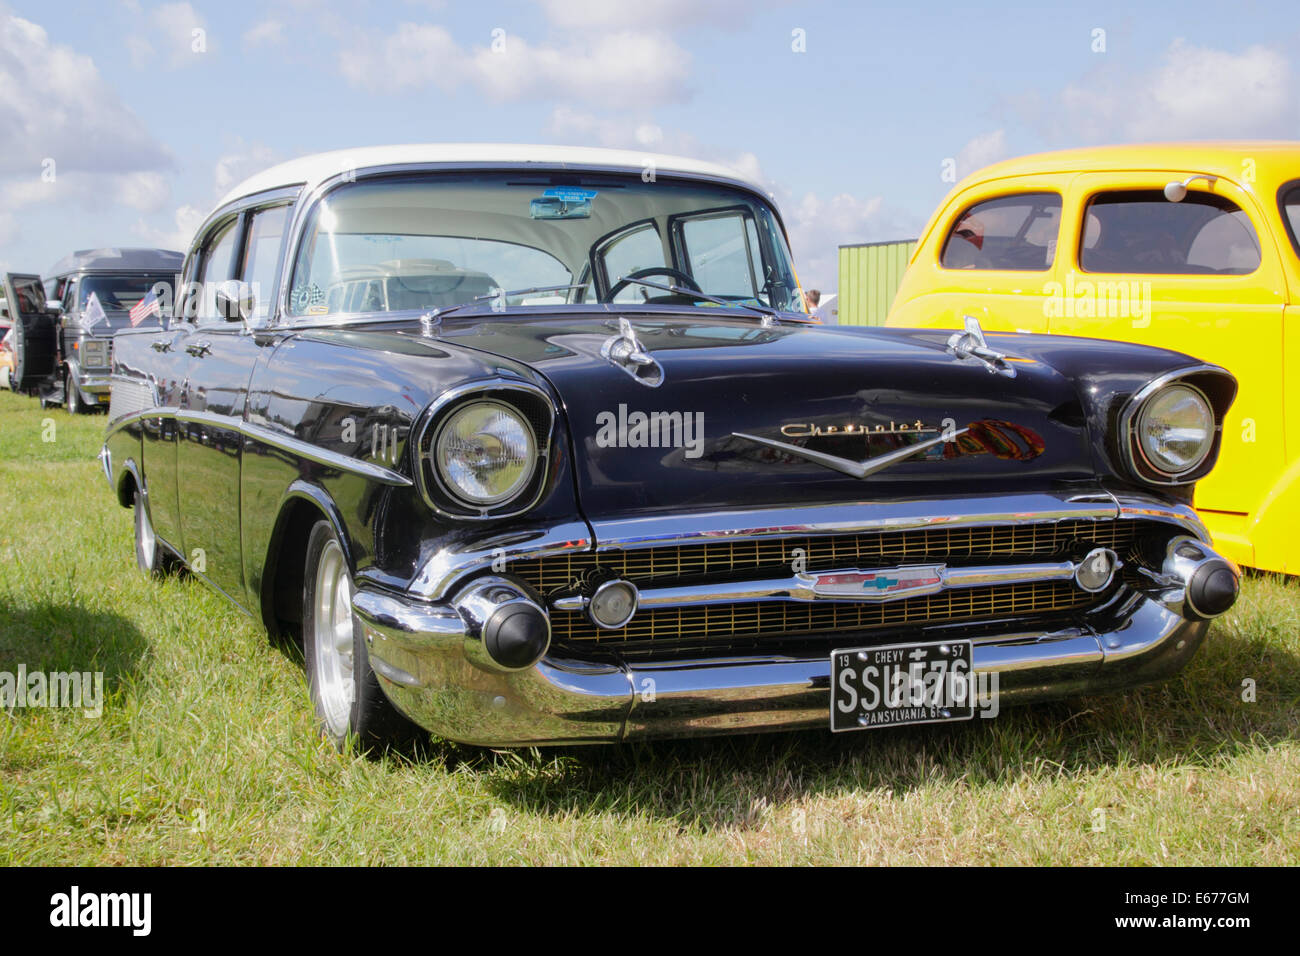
(1189, 246)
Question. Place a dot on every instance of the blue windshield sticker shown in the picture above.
(570, 193)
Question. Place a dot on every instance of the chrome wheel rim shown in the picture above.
(332, 639)
(145, 539)
(74, 399)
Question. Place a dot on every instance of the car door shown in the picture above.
(1201, 276)
(220, 357)
(992, 253)
(35, 331)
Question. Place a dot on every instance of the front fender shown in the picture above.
(1273, 528)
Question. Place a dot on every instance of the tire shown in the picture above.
(72, 396)
(345, 692)
(150, 556)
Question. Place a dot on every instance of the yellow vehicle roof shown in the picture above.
(1275, 161)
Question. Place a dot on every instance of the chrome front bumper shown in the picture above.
(420, 657)
(426, 644)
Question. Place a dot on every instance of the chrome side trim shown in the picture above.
(861, 586)
(321, 456)
(259, 433)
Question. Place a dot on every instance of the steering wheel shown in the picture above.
(682, 278)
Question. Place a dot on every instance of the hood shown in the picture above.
(641, 450)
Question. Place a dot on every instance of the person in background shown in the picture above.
(811, 298)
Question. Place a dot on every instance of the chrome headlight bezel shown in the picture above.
(534, 409)
(1200, 382)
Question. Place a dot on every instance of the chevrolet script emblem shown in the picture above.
(847, 466)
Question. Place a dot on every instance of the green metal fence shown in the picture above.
(869, 276)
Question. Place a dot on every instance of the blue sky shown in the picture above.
(120, 132)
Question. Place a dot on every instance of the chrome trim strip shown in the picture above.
(1152, 509)
(818, 586)
(323, 456)
(266, 436)
(440, 572)
(857, 517)
(847, 466)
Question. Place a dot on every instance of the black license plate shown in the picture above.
(901, 684)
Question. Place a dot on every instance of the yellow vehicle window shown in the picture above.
(1140, 231)
(1289, 199)
(1013, 233)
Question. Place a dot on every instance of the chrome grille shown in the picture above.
(824, 553)
(715, 625)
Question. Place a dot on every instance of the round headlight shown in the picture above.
(1176, 430)
(485, 452)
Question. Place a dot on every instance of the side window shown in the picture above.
(720, 256)
(262, 255)
(1011, 233)
(214, 267)
(639, 249)
(1140, 231)
(67, 291)
(1289, 200)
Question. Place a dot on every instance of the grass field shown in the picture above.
(205, 751)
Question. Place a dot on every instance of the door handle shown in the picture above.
(199, 349)
(161, 346)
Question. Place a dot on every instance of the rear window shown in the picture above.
(1011, 233)
(1140, 231)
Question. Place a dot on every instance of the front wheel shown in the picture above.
(344, 689)
(151, 557)
(72, 396)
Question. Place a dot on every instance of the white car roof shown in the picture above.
(313, 170)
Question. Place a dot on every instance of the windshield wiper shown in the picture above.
(770, 315)
(431, 320)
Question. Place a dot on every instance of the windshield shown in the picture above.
(433, 241)
(117, 293)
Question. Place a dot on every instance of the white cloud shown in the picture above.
(267, 32)
(619, 132)
(605, 14)
(179, 235)
(235, 167)
(614, 69)
(981, 151)
(1195, 93)
(175, 24)
(56, 106)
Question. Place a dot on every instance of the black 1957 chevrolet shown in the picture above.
(538, 445)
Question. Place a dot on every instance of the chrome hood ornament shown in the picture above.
(971, 344)
(624, 350)
(848, 466)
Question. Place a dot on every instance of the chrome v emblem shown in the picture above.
(847, 466)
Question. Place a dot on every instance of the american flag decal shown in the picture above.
(144, 308)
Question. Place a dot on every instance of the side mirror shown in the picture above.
(53, 305)
(236, 301)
